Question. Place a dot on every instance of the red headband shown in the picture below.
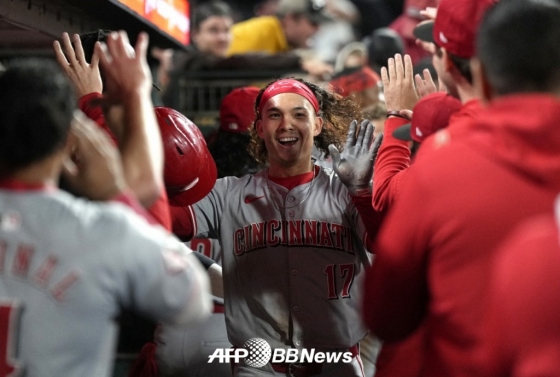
(289, 86)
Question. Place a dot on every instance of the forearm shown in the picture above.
(371, 218)
(142, 149)
(95, 112)
(393, 157)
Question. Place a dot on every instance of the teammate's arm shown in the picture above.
(141, 150)
(394, 154)
(127, 95)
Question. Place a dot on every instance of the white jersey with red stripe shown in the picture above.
(67, 267)
(293, 260)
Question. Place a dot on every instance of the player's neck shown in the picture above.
(45, 172)
(279, 171)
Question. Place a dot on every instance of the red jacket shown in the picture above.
(461, 198)
(522, 333)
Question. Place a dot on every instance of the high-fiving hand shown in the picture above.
(354, 166)
(84, 76)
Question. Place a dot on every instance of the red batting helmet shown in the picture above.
(190, 172)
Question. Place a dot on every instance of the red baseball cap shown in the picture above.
(429, 115)
(353, 80)
(237, 110)
(455, 26)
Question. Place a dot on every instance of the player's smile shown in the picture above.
(288, 141)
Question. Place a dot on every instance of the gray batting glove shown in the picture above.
(354, 166)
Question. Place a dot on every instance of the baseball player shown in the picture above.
(67, 265)
(292, 235)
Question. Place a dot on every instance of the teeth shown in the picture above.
(287, 139)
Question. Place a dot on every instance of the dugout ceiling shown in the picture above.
(28, 27)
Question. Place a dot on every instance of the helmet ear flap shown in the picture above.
(190, 171)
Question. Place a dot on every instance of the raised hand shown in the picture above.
(85, 77)
(398, 84)
(425, 85)
(126, 68)
(354, 166)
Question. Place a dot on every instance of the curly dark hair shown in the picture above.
(229, 151)
(337, 113)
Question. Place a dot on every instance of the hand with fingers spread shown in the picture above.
(84, 76)
(95, 170)
(354, 166)
(425, 85)
(125, 68)
(398, 84)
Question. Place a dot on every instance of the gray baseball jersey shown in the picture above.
(67, 266)
(293, 261)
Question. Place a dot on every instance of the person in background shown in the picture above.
(294, 23)
(404, 25)
(211, 38)
(230, 144)
(466, 194)
(521, 335)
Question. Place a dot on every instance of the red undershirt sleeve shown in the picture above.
(393, 158)
(371, 218)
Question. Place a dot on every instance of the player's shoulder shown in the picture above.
(227, 184)
(110, 220)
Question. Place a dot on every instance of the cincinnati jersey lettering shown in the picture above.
(301, 233)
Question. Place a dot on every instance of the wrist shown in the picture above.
(396, 113)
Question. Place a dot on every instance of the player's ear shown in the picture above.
(318, 127)
(481, 85)
(447, 63)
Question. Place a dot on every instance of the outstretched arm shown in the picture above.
(130, 110)
(130, 115)
(354, 167)
(394, 154)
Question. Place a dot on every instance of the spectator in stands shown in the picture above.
(465, 195)
(353, 54)
(338, 32)
(295, 22)
(211, 38)
(383, 44)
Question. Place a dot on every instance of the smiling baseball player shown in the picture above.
(292, 235)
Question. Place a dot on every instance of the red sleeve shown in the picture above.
(393, 157)
(128, 199)
(95, 112)
(183, 222)
(395, 292)
(160, 210)
(372, 219)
